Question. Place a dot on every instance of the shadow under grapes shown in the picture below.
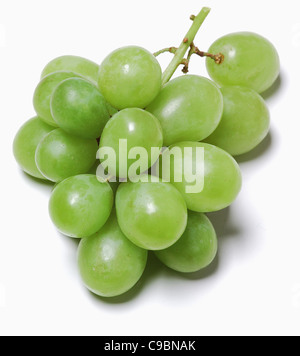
(275, 88)
(153, 268)
(225, 228)
(257, 152)
(44, 185)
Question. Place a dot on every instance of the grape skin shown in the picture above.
(25, 144)
(195, 250)
(222, 177)
(109, 264)
(189, 108)
(81, 205)
(79, 65)
(250, 60)
(60, 155)
(245, 122)
(153, 215)
(43, 94)
(130, 77)
(78, 108)
(140, 129)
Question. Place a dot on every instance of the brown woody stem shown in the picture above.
(218, 58)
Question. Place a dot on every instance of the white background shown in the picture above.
(253, 288)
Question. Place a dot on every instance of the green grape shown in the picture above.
(26, 142)
(82, 66)
(130, 77)
(250, 60)
(218, 171)
(140, 129)
(60, 155)
(109, 264)
(189, 108)
(43, 93)
(78, 108)
(245, 122)
(81, 205)
(195, 250)
(153, 215)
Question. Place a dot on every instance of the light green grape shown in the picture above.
(60, 155)
(25, 143)
(110, 265)
(189, 108)
(130, 77)
(218, 174)
(43, 93)
(140, 129)
(82, 66)
(245, 122)
(78, 108)
(153, 215)
(81, 205)
(250, 60)
(195, 250)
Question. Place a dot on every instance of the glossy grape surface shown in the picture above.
(250, 60)
(60, 155)
(195, 250)
(43, 94)
(78, 108)
(245, 122)
(25, 143)
(222, 176)
(189, 108)
(82, 66)
(140, 129)
(81, 205)
(152, 215)
(130, 77)
(109, 264)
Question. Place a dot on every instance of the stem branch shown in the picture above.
(185, 45)
(218, 58)
(165, 50)
(185, 69)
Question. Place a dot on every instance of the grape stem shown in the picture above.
(185, 69)
(218, 58)
(165, 50)
(185, 44)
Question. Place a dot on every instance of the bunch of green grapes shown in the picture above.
(82, 106)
